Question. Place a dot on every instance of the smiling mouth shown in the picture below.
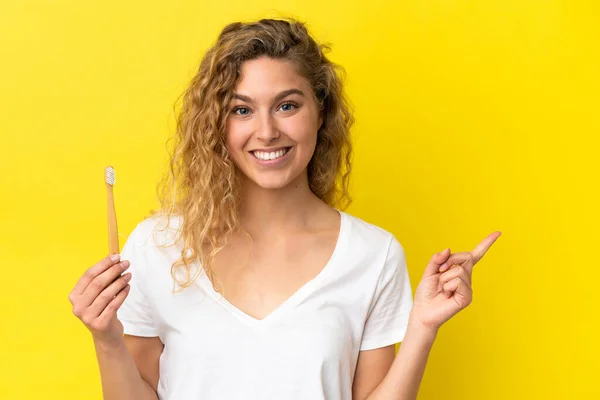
(271, 155)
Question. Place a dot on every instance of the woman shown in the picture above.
(250, 282)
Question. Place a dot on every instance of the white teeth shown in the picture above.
(261, 155)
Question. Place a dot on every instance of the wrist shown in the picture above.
(108, 345)
(423, 330)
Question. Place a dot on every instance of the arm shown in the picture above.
(404, 377)
(371, 368)
(129, 368)
(388, 321)
(96, 297)
(439, 296)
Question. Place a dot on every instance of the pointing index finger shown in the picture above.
(484, 246)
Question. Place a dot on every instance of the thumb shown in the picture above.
(436, 262)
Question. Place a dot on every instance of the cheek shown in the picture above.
(235, 137)
(303, 129)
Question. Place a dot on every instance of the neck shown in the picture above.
(267, 212)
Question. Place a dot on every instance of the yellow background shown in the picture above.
(473, 116)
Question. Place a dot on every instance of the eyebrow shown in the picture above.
(279, 96)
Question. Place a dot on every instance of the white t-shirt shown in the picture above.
(306, 349)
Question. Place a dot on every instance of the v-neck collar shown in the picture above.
(297, 297)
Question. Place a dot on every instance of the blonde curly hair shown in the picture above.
(202, 184)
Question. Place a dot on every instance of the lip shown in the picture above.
(272, 149)
(273, 163)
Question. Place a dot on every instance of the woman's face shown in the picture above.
(273, 122)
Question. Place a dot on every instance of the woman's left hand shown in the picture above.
(445, 288)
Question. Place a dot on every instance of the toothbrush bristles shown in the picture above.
(109, 175)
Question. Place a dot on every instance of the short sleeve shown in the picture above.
(387, 320)
(135, 313)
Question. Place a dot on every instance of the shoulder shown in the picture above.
(158, 230)
(153, 245)
(367, 235)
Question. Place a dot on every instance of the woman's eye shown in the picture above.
(241, 110)
(288, 106)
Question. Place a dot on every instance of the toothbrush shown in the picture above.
(113, 233)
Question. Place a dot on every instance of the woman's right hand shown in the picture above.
(98, 295)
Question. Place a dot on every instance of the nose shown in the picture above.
(267, 131)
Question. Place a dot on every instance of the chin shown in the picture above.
(273, 180)
(272, 184)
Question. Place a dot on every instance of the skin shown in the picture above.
(293, 235)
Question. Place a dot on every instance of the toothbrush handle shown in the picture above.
(113, 235)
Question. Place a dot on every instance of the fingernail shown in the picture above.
(444, 267)
(115, 257)
(127, 277)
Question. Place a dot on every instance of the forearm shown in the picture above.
(120, 377)
(404, 377)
